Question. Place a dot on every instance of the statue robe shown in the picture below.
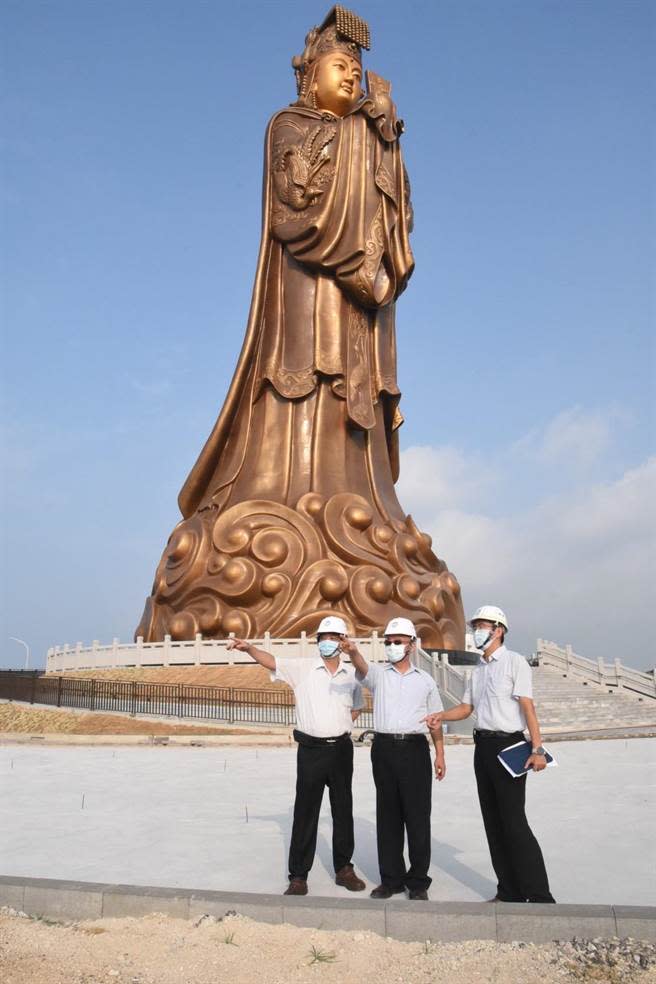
(313, 405)
(290, 510)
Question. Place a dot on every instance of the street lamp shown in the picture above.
(27, 649)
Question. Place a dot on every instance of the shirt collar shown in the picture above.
(495, 655)
(320, 665)
(391, 666)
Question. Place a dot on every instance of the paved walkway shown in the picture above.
(219, 818)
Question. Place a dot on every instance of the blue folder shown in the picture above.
(514, 758)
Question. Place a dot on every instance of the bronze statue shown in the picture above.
(290, 510)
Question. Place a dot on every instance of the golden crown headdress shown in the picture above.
(341, 30)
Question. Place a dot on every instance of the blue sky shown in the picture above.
(132, 160)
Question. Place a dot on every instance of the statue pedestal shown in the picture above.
(263, 567)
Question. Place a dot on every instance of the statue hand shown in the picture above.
(380, 107)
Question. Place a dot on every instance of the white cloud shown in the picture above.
(443, 477)
(576, 566)
(575, 438)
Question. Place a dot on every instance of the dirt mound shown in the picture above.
(42, 721)
(241, 677)
(160, 950)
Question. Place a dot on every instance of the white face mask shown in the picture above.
(395, 651)
(482, 637)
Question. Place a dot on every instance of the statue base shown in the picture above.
(260, 566)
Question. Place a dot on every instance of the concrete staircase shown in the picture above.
(568, 703)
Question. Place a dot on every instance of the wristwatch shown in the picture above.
(538, 751)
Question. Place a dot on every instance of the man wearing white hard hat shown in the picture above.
(500, 693)
(328, 700)
(403, 696)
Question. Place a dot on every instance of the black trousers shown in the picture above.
(318, 766)
(516, 856)
(404, 785)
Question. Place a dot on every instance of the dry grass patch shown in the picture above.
(32, 720)
(244, 677)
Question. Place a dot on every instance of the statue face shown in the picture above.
(336, 83)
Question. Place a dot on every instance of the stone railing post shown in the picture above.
(166, 653)
(601, 668)
(568, 657)
(304, 646)
(618, 673)
(231, 652)
(443, 673)
(198, 646)
(466, 682)
(138, 651)
(114, 656)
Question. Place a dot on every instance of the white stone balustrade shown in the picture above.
(613, 674)
(192, 652)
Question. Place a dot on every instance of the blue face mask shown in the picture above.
(482, 637)
(328, 648)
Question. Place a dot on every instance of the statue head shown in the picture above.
(329, 72)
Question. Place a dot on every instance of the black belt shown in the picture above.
(304, 739)
(484, 733)
(409, 736)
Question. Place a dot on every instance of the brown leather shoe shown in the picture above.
(347, 878)
(297, 886)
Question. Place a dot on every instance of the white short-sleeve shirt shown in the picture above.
(401, 700)
(323, 701)
(494, 688)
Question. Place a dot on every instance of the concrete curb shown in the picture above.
(63, 739)
(443, 922)
(282, 739)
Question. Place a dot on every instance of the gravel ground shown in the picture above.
(236, 950)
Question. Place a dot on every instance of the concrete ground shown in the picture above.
(215, 818)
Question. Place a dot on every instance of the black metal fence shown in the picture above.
(227, 704)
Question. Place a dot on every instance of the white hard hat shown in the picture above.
(490, 613)
(331, 623)
(401, 626)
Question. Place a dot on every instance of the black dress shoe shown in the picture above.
(385, 892)
(418, 894)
